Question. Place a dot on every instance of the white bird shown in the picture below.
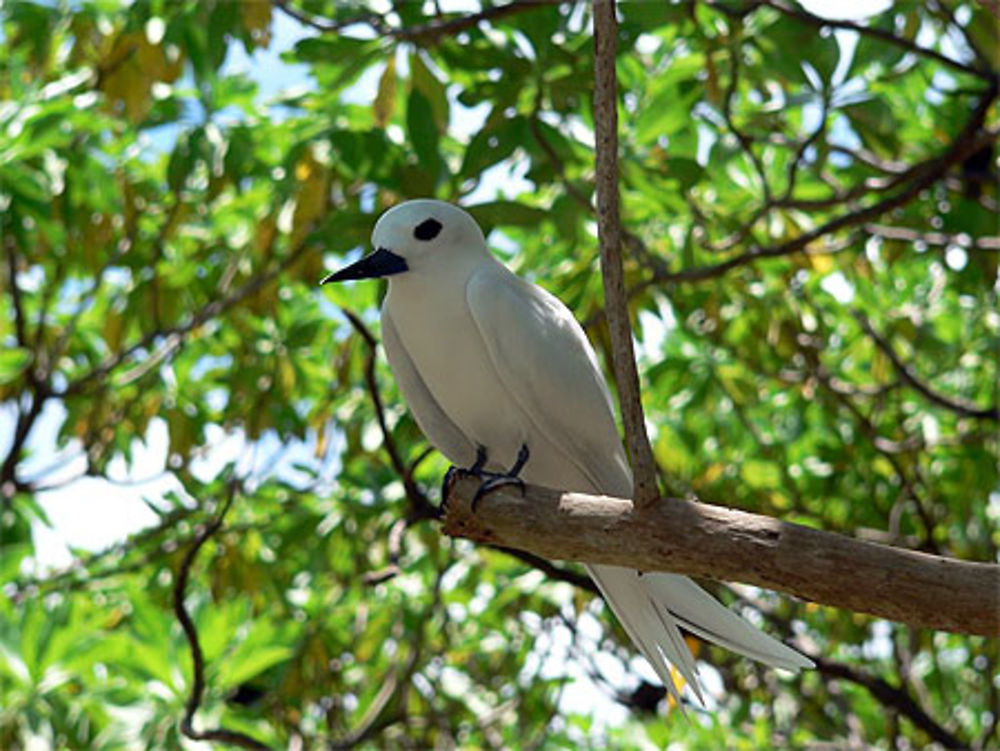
(498, 374)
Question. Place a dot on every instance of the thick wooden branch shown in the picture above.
(609, 235)
(727, 544)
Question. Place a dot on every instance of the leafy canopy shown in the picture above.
(812, 254)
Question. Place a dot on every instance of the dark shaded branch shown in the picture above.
(38, 388)
(971, 138)
(547, 567)
(328, 26)
(891, 697)
(220, 735)
(420, 505)
(396, 531)
(174, 334)
(910, 377)
(435, 30)
(20, 327)
(886, 36)
(727, 544)
(9, 484)
(610, 239)
(907, 234)
(427, 33)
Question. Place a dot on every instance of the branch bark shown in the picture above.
(702, 540)
(610, 239)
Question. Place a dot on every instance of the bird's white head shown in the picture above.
(417, 237)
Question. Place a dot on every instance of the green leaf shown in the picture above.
(506, 213)
(241, 667)
(13, 362)
(426, 83)
(423, 131)
(493, 144)
(668, 112)
(761, 474)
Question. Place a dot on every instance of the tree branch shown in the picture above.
(327, 26)
(883, 34)
(171, 335)
(710, 541)
(221, 735)
(433, 31)
(891, 697)
(20, 325)
(420, 505)
(423, 33)
(551, 570)
(909, 235)
(610, 239)
(972, 138)
(910, 377)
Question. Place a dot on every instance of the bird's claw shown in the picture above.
(493, 483)
(450, 478)
(490, 481)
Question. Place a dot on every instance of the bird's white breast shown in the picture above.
(439, 334)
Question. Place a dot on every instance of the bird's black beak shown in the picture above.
(383, 262)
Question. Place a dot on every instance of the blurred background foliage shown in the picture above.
(812, 246)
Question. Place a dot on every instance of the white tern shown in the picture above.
(499, 375)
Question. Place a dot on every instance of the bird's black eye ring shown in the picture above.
(427, 229)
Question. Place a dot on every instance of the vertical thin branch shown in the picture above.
(219, 735)
(610, 238)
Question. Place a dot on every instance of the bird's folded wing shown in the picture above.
(543, 358)
(436, 425)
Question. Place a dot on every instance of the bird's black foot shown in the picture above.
(453, 473)
(492, 482)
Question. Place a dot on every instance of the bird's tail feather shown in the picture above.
(652, 606)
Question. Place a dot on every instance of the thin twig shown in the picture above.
(610, 238)
(435, 30)
(907, 234)
(547, 567)
(910, 377)
(20, 326)
(221, 735)
(420, 505)
(883, 34)
(327, 26)
(210, 310)
(396, 531)
(892, 697)
(926, 174)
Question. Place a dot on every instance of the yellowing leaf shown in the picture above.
(713, 473)
(236, 671)
(256, 19)
(114, 327)
(385, 99)
(312, 195)
(424, 81)
(758, 473)
(821, 262)
(128, 72)
(286, 375)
